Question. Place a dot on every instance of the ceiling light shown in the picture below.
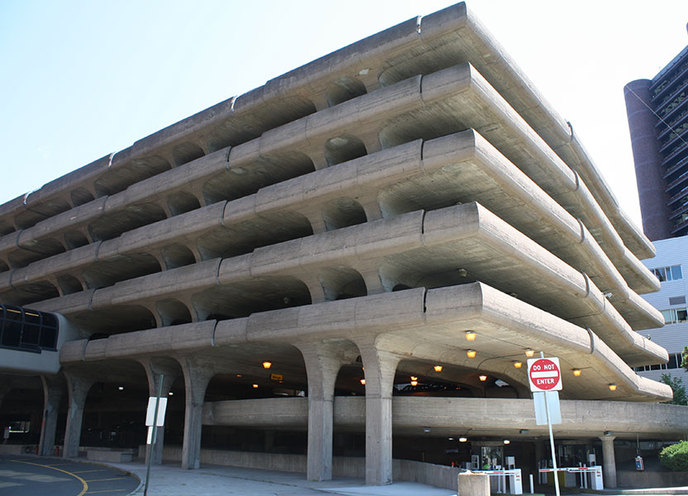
(463, 439)
(470, 335)
(529, 353)
(576, 372)
(438, 368)
(255, 386)
(471, 353)
(518, 364)
(450, 438)
(612, 387)
(239, 376)
(121, 388)
(170, 393)
(363, 382)
(267, 364)
(414, 378)
(506, 441)
(414, 383)
(482, 378)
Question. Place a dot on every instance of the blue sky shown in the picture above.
(80, 79)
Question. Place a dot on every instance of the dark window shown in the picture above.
(27, 330)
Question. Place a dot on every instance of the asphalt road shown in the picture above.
(37, 476)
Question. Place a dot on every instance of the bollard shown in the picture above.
(471, 484)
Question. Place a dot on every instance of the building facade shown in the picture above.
(658, 121)
(670, 265)
(347, 265)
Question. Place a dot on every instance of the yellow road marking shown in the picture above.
(106, 491)
(103, 480)
(88, 471)
(83, 482)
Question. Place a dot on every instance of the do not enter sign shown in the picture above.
(544, 374)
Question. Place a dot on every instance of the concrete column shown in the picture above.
(53, 387)
(380, 367)
(322, 366)
(155, 367)
(77, 388)
(197, 375)
(608, 461)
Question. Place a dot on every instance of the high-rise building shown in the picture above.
(351, 262)
(658, 120)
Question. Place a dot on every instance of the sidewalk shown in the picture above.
(170, 480)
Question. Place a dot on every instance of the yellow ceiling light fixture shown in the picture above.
(414, 383)
(255, 386)
(471, 353)
(470, 335)
(267, 364)
(438, 368)
(463, 439)
(612, 387)
(362, 382)
(482, 377)
(576, 372)
(530, 353)
(517, 364)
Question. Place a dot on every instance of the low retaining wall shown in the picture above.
(353, 467)
(635, 479)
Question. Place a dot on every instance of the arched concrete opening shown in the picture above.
(177, 256)
(249, 177)
(181, 202)
(133, 216)
(69, 284)
(341, 283)
(36, 291)
(343, 89)
(173, 312)
(75, 239)
(258, 295)
(80, 196)
(116, 319)
(343, 148)
(44, 248)
(186, 152)
(343, 212)
(240, 238)
(108, 272)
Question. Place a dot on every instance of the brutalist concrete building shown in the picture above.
(343, 268)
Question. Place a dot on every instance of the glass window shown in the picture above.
(681, 314)
(672, 273)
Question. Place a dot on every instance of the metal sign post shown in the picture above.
(544, 376)
(154, 436)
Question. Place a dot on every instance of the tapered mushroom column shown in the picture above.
(323, 362)
(609, 461)
(78, 385)
(169, 371)
(53, 387)
(197, 375)
(380, 367)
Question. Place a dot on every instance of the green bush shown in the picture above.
(675, 457)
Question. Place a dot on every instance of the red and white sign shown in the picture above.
(544, 374)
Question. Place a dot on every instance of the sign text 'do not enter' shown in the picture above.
(544, 374)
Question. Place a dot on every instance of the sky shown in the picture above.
(80, 79)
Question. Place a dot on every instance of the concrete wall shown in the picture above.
(405, 470)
